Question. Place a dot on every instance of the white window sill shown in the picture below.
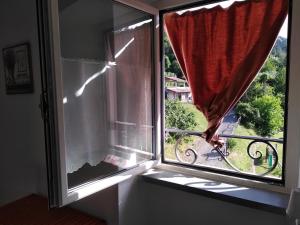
(250, 197)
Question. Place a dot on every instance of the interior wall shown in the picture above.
(169, 206)
(22, 160)
(134, 204)
(141, 203)
(102, 205)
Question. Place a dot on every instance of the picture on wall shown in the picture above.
(17, 69)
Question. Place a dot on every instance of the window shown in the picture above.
(253, 132)
(99, 102)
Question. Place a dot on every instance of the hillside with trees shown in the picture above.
(262, 106)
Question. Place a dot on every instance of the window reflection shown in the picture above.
(107, 72)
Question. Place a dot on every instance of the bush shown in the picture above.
(264, 115)
(167, 63)
(248, 114)
(175, 68)
(231, 143)
(270, 119)
(178, 117)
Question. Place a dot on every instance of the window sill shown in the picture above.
(92, 187)
(250, 197)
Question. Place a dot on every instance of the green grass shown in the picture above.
(201, 126)
(169, 153)
(239, 157)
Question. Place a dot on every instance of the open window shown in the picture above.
(99, 93)
(102, 100)
(202, 48)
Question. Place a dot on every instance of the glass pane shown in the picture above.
(106, 50)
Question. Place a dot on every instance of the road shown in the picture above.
(203, 149)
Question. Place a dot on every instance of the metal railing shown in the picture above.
(223, 153)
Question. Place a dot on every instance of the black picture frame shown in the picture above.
(18, 69)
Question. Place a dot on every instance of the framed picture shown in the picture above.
(17, 69)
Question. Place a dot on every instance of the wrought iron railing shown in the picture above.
(256, 155)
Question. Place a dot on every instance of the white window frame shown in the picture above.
(292, 164)
(64, 194)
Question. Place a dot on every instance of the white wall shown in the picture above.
(21, 128)
(169, 206)
(136, 202)
(103, 205)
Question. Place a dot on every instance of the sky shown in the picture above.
(283, 32)
(284, 29)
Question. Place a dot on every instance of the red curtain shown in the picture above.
(220, 51)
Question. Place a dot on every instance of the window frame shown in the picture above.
(219, 174)
(59, 194)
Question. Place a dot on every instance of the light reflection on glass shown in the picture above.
(106, 62)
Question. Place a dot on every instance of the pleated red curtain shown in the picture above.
(220, 51)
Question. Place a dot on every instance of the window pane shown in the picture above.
(106, 51)
(253, 131)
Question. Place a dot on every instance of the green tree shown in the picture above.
(176, 69)
(264, 114)
(231, 143)
(248, 114)
(178, 117)
(256, 90)
(167, 63)
(270, 66)
(279, 82)
(270, 119)
(168, 49)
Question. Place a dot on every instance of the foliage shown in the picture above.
(167, 63)
(270, 120)
(167, 49)
(177, 116)
(231, 143)
(262, 106)
(199, 117)
(248, 114)
(171, 63)
(264, 115)
(175, 67)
